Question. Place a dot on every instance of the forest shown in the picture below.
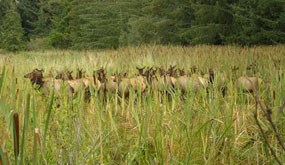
(98, 24)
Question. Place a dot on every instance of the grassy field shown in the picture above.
(204, 128)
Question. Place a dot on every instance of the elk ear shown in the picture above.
(26, 75)
(172, 67)
(125, 74)
(39, 70)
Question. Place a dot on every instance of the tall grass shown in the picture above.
(151, 128)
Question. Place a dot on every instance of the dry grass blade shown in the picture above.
(36, 142)
(264, 136)
(267, 113)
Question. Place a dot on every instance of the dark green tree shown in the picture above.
(59, 36)
(258, 22)
(212, 23)
(29, 11)
(161, 22)
(47, 11)
(95, 24)
(11, 30)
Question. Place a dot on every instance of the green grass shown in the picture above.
(148, 129)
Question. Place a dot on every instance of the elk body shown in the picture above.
(138, 83)
(163, 81)
(77, 84)
(195, 83)
(125, 84)
(248, 84)
(107, 85)
(64, 75)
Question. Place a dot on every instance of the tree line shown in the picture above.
(93, 24)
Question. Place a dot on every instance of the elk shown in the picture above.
(172, 71)
(46, 85)
(140, 71)
(80, 74)
(161, 82)
(195, 83)
(252, 68)
(138, 83)
(77, 84)
(64, 75)
(248, 84)
(106, 85)
(123, 84)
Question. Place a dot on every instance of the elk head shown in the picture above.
(80, 73)
(101, 75)
(172, 71)
(140, 70)
(64, 75)
(36, 76)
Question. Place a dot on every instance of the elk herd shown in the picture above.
(147, 79)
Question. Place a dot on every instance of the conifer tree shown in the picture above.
(11, 30)
(29, 12)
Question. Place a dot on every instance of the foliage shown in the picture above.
(11, 31)
(90, 24)
(29, 12)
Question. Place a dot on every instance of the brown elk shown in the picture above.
(137, 83)
(64, 75)
(107, 85)
(140, 71)
(246, 83)
(47, 85)
(249, 84)
(80, 73)
(194, 83)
